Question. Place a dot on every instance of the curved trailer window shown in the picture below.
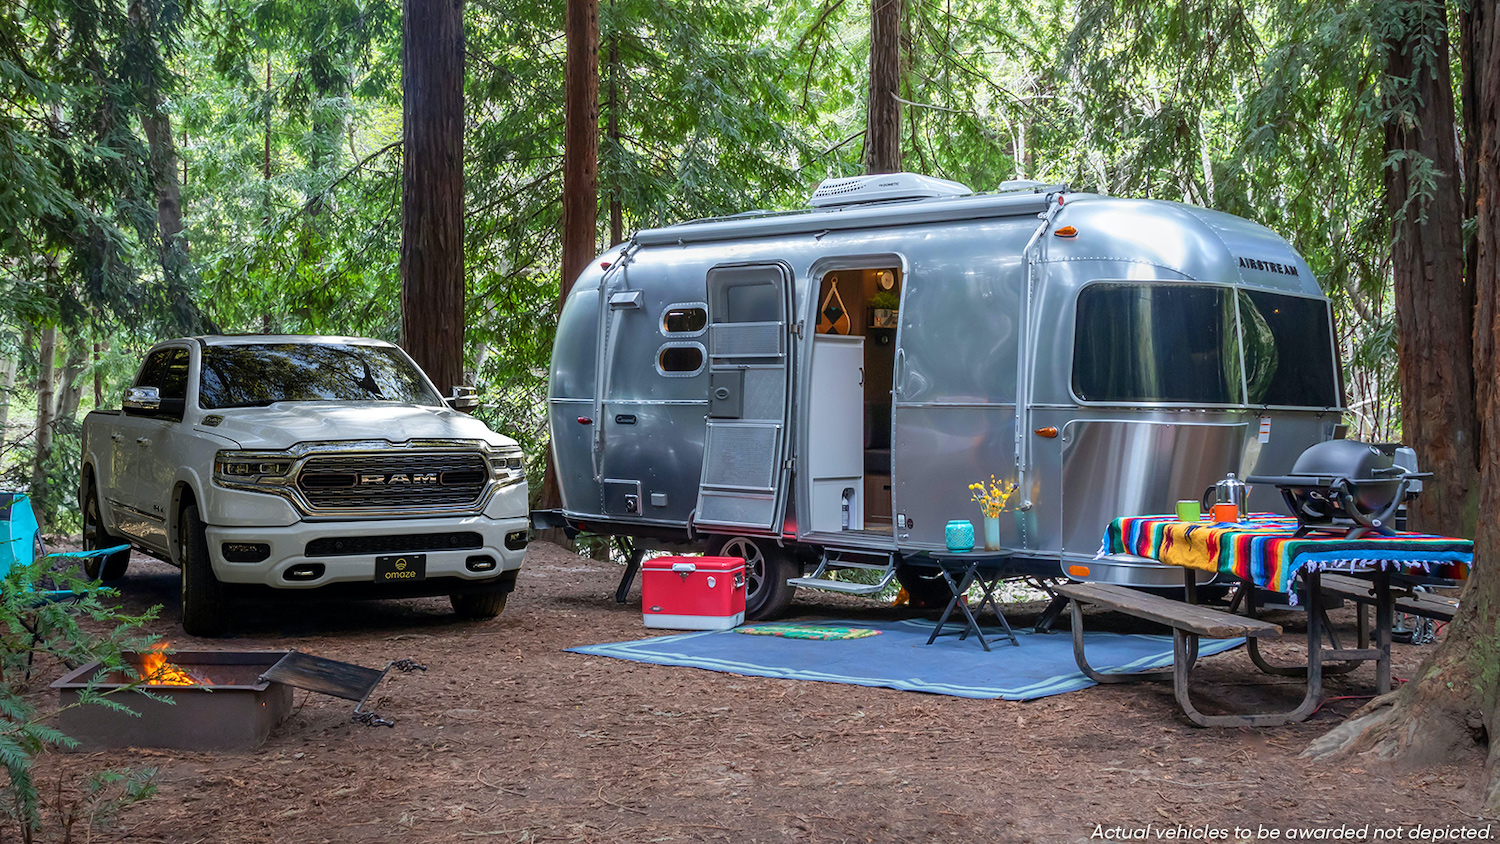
(1178, 343)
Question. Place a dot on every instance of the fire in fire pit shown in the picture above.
(157, 671)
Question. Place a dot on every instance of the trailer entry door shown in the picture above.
(744, 476)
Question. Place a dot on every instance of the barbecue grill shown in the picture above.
(1349, 487)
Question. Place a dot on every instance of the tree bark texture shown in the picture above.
(1434, 305)
(580, 199)
(46, 415)
(432, 188)
(7, 392)
(1454, 701)
(883, 111)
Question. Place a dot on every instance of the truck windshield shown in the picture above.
(1164, 342)
(259, 374)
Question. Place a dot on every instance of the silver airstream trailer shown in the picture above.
(816, 390)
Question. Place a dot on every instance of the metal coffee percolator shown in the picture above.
(1231, 490)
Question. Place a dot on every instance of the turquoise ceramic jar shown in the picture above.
(959, 534)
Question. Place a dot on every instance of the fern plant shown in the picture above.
(51, 619)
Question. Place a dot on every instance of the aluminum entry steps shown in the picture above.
(834, 560)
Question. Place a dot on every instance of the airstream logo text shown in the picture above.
(1267, 266)
(399, 478)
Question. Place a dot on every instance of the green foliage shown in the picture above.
(78, 624)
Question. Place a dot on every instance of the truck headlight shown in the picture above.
(241, 467)
(507, 466)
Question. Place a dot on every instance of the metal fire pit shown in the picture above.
(235, 713)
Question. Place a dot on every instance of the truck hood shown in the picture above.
(285, 424)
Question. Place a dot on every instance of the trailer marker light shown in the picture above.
(603, 265)
(1049, 432)
(1078, 571)
(1066, 231)
(584, 420)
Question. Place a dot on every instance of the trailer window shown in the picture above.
(1288, 350)
(684, 320)
(1156, 342)
(680, 359)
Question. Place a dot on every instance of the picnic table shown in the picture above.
(1263, 553)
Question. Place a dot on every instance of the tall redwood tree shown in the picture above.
(1454, 701)
(1434, 305)
(883, 111)
(432, 188)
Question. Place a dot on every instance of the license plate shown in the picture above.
(401, 568)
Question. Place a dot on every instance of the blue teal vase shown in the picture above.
(959, 534)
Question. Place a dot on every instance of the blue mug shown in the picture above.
(959, 534)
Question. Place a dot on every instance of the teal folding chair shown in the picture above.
(21, 542)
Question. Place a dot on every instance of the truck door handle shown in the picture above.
(143, 441)
(117, 436)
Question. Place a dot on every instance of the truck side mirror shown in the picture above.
(142, 399)
(463, 398)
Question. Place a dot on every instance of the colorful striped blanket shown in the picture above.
(1262, 550)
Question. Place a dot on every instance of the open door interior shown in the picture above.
(744, 477)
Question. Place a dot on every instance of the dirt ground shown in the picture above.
(506, 738)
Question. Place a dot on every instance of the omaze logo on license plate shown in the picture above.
(401, 568)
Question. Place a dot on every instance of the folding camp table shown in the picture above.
(961, 570)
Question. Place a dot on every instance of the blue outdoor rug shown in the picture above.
(899, 658)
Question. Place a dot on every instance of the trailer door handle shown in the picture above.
(143, 441)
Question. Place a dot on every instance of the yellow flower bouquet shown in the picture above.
(992, 496)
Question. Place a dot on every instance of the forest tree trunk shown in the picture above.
(46, 408)
(1454, 701)
(70, 389)
(580, 199)
(432, 189)
(7, 392)
(883, 110)
(1434, 305)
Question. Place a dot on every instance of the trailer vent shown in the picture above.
(882, 187)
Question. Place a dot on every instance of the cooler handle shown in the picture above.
(739, 581)
(682, 568)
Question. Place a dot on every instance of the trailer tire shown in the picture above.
(479, 605)
(95, 537)
(205, 606)
(767, 568)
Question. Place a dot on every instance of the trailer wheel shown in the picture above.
(95, 537)
(767, 568)
(923, 590)
(205, 607)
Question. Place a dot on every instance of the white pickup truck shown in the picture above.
(324, 466)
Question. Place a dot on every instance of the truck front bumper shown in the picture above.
(459, 554)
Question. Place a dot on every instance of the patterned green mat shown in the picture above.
(807, 631)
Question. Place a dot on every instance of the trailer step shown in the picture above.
(820, 580)
(840, 586)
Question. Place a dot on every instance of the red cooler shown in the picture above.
(693, 593)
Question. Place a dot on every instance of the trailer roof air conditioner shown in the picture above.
(885, 186)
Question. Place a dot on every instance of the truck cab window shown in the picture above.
(167, 370)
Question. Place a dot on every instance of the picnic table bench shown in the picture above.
(1189, 622)
(1421, 604)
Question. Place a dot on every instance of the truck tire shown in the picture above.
(205, 609)
(95, 536)
(478, 605)
(767, 567)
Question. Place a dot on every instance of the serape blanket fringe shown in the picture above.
(1262, 550)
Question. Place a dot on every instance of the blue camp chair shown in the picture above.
(21, 541)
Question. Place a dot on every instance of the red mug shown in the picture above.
(1226, 513)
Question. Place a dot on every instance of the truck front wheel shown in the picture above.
(478, 605)
(96, 537)
(204, 605)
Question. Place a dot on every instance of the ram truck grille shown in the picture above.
(410, 482)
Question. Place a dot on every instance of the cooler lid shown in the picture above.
(691, 564)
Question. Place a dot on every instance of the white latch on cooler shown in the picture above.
(685, 569)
